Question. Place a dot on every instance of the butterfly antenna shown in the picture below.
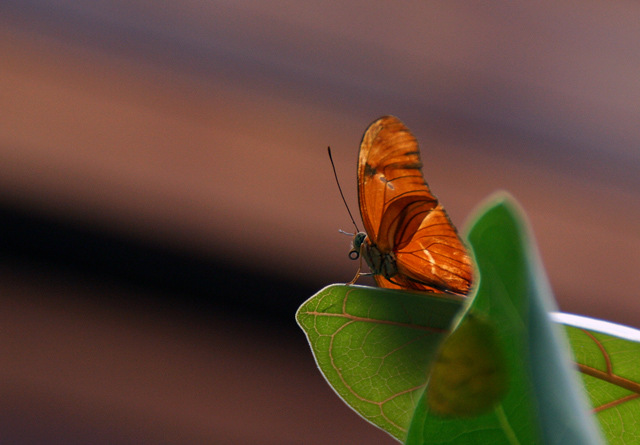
(340, 188)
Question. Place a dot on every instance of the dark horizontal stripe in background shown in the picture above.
(178, 280)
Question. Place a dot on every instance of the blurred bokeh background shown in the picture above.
(166, 200)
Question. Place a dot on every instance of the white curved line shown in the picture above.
(593, 324)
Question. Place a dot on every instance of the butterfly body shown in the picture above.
(380, 263)
(409, 243)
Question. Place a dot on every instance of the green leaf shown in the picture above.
(543, 403)
(501, 377)
(610, 369)
(375, 346)
(470, 375)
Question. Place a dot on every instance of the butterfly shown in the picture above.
(410, 242)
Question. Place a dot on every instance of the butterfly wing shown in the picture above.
(401, 215)
(389, 173)
(403, 283)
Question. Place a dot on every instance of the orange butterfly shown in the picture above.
(409, 243)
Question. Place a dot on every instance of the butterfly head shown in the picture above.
(356, 244)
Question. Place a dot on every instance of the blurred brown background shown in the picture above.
(166, 201)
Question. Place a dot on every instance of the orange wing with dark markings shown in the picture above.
(404, 222)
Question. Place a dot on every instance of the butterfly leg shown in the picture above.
(357, 275)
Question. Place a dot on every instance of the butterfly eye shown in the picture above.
(358, 239)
